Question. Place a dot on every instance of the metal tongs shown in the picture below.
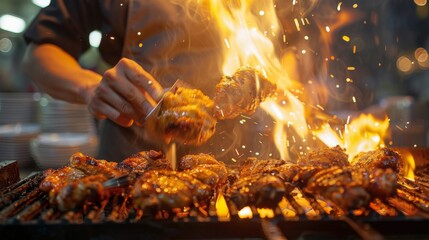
(152, 116)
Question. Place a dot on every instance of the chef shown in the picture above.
(149, 45)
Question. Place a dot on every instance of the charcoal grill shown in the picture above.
(25, 213)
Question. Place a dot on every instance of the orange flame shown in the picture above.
(249, 28)
(364, 133)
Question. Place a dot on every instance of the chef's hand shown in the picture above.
(126, 94)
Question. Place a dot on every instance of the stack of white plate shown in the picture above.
(18, 107)
(53, 150)
(59, 116)
(15, 142)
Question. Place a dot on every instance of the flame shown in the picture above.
(245, 212)
(409, 164)
(251, 31)
(365, 133)
(221, 207)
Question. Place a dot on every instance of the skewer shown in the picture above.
(170, 154)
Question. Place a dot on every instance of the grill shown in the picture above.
(25, 212)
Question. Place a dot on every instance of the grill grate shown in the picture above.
(24, 207)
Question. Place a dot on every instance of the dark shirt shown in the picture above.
(68, 23)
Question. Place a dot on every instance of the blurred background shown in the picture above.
(363, 55)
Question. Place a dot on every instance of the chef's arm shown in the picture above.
(124, 93)
(57, 73)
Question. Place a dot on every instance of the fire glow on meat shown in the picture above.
(348, 173)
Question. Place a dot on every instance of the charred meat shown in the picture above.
(143, 161)
(186, 116)
(326, 157)
(77, 193)
(241, 93)
(167, 189)
(263, 191)
(92, 166)
(198, 180)
(381, 158)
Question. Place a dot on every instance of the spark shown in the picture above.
(350, 68)
(349, 80)
(354, 99)
(339, 6)
(328, 29)
(227, 43)
(355, 5)
(306, 37)
(354, 49)
(346, 38)
(261, 13)
(297, 24)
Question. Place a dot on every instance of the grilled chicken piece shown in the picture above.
(186, 116)
(199, 179)
(204, 167)
(241, 93)
(79, 192)
(352, 188)
(326, 157)
(255, 166)
(166, 190)
(381, 158)
(264, 191)
(345, 187)
(383, 183)
(262, 183)
(92, 166)
(55, 179)
(144, 161)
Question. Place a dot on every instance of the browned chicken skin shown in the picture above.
(92, 166)
(186, 116)
(241, 93)
(262, 183)
(383, 158)
(198, 180)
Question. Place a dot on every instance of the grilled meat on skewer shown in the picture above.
(167, 189)
(326, 157)
(345, 187)
(186, 116)
(264, 191)
(76, 193)
(352, 188)
(204, 167)
(381, 158)
(92, 166)
(201, 176)
(241, 93)
(144, 161)
(60, 177)
(261, 183)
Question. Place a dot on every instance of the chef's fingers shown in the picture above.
(115, 100)
(143, 80)
(103, 110)
(115, 79)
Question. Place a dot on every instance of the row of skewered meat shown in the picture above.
(326, 172)
(152, 183)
